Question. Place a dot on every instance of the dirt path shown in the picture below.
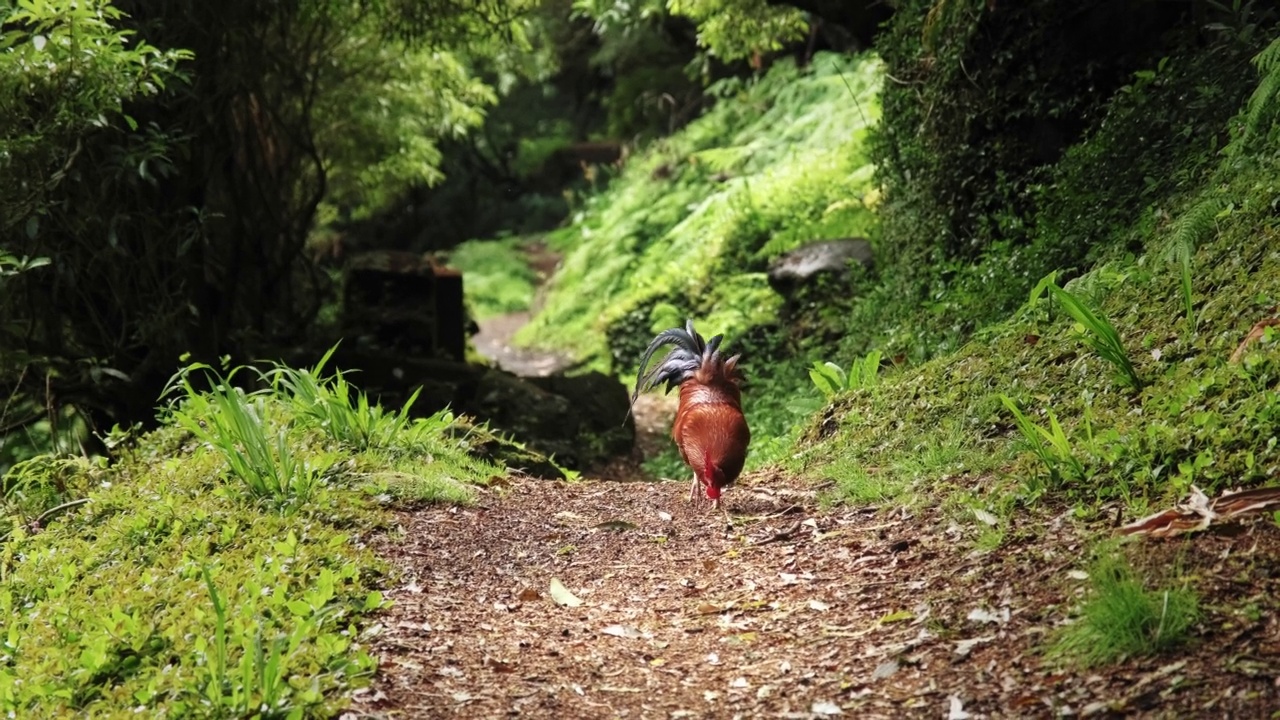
(494, 341)
(800, 613)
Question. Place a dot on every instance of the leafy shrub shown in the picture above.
(831, 379)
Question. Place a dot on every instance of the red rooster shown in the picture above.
(709, 428)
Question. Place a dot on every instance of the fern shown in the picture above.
(1189, 231)
(1264, 97)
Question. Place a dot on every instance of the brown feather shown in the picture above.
(711, 432)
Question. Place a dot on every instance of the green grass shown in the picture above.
(235, 423)
(1122, 618)
(496, 277)
(857, 485)
(218, 567)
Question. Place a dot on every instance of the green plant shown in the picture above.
(1259, 116)
(831, 379)
(1191, 229)
(497, 275)
(344, 413)
(1050, 445)
(1099, 334)
(234, 423)
(1122, 618)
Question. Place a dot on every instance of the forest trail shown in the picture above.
(801, 612)
(494, 341)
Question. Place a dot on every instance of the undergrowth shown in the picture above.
(1034, 400)
(218, 566)
(496, 274)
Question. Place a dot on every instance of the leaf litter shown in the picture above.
(883, 614)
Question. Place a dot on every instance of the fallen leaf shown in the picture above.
(528, 595)
(562, 596)
(622, 631)
(826, 708)
(818, 605)
(957, 710)
(1077, 575)
(664, 516)
(896, 617)
(885, 669)
(964, 647)
(982, 615)
(985, 517)
(616, 525)
(713, 658)
(710, 695)
(789, 578)
(739, 683)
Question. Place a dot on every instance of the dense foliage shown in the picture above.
(689, 227)
(169, 161)
(1025, 138)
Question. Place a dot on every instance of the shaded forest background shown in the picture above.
(182, 182)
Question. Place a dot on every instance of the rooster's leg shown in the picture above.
(693, 491)
(728, 522)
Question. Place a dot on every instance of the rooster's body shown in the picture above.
(710, 430)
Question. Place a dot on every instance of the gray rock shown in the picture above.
(802, 266)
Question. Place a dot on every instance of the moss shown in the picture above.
(174, 590)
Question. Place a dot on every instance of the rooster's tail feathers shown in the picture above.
(689, 356)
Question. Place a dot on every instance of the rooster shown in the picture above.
(710, 430)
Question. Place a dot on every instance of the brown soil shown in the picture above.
(800, 612)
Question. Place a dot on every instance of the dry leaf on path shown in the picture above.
(562, 596)
(622, 631)
(826, 708)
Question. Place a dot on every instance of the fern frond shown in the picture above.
(1189, 231)
(1269, 59)
(1262, 100)
(1264, 96)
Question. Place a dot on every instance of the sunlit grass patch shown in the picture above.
(1121, 617)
